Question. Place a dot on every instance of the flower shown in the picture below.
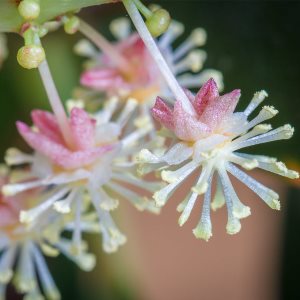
(88, 176)
(143, 81)
(208, 142)
(23, 245)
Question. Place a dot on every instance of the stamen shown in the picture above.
(266, 113)
(239, 210)
(6, 264)
(14, 156)
(174, 31)
(140, 202)
(132, 138)
(258, 129)
(85, 48)
(219, 198)
(104, 115)
(30, 215)
(64, 206)
(130, 106)
(85, 261)
(204, 180)
(204, 228)
(202, 184)
(76, 238)
(25, 278)
(233, 223)
(193, 61)
(196, 39)
(162, 196)
(101, 42)
(120, 28)
(281, 133)
(157, 56)
(258, 98)
(47, 281)
(13, 189)
(248, 164)
(266, 194)
(174, 176)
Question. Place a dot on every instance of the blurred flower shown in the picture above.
(94, 171)
(140, 77)
(208, 139)
(22, 245)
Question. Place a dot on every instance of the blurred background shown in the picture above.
(255, 45)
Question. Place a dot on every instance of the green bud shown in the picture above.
(29, 9)
(159, 22)
(72, 25)
(30, 56)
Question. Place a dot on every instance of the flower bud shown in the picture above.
(72, 25)
(159, 22)
(30, 56)
(29, 9)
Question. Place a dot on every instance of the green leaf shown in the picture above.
(10, 20)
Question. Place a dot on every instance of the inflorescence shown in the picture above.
(84, 163)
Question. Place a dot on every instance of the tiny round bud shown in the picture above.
(29, 9)
(30, 57)
(72, 25)
(159, 22)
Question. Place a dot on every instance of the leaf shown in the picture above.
(11, 21)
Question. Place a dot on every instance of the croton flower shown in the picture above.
(93, 171)
(208, 140)
(140, 78)
(23, 246)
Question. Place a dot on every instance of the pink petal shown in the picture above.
(163, 113)
(57, 153)
(186, 126)
(7, 215)
(47, 125)
(219, 109)
(83, 129)
(101, 79)
(208, 93)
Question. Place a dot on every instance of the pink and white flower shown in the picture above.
(207, 140)
(141, 78)
(89, 175)
(22, 245)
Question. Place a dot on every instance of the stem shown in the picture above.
(56, 103)
(101, 42)
(157, 56)
(147, 13)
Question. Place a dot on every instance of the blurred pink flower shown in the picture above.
(48, 140)
(140, 77)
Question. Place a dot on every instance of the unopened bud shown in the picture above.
(29, 9)
(159, 22)
(71, 25)
(30, 56)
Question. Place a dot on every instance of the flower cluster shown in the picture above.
(209, 141)
(84, 162)
(122, 74)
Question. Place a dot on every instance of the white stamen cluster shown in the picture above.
(101, 184)
(214, 157)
